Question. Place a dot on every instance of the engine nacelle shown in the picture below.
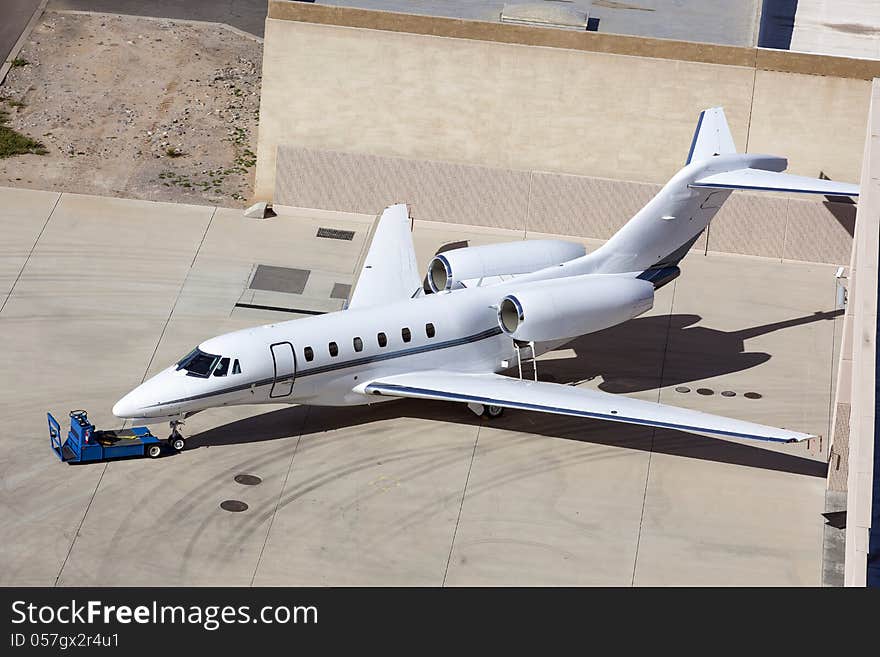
(447, 270)
(568, 307)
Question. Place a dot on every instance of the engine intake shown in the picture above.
(568, 307)
(510, 314)
(448, 270)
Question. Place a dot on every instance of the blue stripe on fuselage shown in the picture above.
(355, 362)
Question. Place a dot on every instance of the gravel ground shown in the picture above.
(136, 107)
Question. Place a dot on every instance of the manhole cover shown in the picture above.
(753, 395)
(682, 389)
(233, 505)
(728, 393)
(705, 391)
(247, 480)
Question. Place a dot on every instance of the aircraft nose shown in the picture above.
(159, 396)
(129, 406)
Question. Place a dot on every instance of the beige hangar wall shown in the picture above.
(538, 99)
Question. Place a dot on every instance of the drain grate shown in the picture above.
(236, 506)
(336, 234)
(247, 480)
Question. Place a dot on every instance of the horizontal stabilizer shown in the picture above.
(497, 390)
(772, 181)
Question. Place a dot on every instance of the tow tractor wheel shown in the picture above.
(494, 411)
(154, 450)
(178, 443)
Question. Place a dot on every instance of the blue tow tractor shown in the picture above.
(85, 444)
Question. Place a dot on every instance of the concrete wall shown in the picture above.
(774, 226)
(524, 98)
(861, 359)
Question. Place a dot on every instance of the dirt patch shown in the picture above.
(136, 107)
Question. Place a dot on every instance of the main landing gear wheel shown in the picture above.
(494, 411)
(153, 451)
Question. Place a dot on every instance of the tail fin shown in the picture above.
(652, 243)
(712, 136)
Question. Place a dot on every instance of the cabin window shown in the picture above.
(429, 330)
(383, 340)
(334, 349)
(222, 368)
(309, 353)
(358, 344)
(406, 334)
(236, 368)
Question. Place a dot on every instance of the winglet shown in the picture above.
(712, 136)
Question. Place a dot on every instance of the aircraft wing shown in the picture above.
(497, 390)
(774, 181)
(389, 272)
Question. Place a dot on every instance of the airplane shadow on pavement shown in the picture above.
(628, 357)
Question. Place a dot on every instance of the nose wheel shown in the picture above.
(176, 439)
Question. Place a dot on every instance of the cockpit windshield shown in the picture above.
(198, 363)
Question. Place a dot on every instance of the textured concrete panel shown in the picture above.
(585, 207)
(751, 225)
(766, 225)
(818, 234)
(435, 191)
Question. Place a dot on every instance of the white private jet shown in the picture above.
(492, 307)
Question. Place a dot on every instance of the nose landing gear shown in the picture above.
(176, 439)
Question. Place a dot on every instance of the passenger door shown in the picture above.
(285, 369)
